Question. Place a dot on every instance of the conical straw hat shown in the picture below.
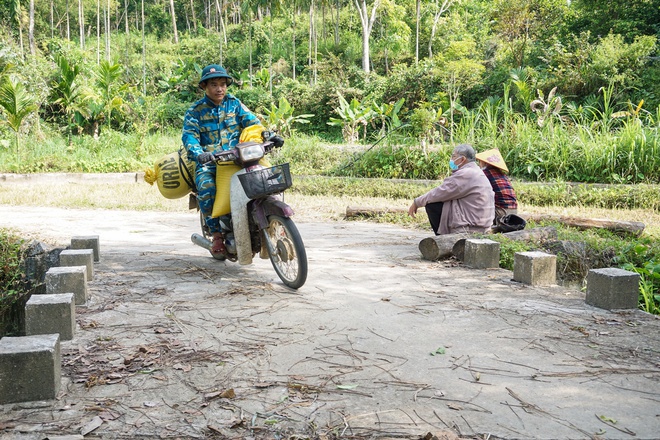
(493, 157)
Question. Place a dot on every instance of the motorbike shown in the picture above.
(260, 221)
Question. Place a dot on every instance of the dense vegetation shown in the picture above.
(568, 91)
(564, 96)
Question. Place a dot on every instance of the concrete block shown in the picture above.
(30, 368)
(612, 288)
(49, 314)
(66, 280)
(481, 253)
(87, 242)
(79, 257)
(535, 268)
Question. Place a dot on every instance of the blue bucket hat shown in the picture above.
(214, 71)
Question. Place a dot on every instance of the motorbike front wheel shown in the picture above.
(286, 251)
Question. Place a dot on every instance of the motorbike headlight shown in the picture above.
(250, 152)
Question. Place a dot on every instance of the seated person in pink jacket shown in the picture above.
(464, 202)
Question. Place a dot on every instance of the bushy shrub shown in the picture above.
(255, 98)
(13, 288)
(397, 163)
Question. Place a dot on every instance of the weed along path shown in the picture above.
(377, 344)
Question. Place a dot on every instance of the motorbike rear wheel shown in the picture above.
(286, 251)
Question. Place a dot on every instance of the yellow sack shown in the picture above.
(224, 171)
(252, 133)
(174, 173)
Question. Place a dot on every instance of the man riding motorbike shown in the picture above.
(217, 122)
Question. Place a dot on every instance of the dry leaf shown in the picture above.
(91, 426)
(213, 395)
(454, 406)
(228, 394)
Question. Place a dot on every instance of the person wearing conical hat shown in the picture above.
(494, 167)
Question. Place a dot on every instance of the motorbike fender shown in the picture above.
(262, 208)
(239, 212)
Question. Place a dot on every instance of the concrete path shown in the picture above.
(377, 344)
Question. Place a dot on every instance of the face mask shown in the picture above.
(452, 165)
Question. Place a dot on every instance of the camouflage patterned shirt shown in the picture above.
(206, 124)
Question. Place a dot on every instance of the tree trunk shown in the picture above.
(634, 228)
(441, 247)
(98, 32)
(68, 28)
(19, 22)
(293, 38)
(174, 28)
(107, 31)
(221, 23)
(442, 10)
(338, 8)
(311, 38)
(367, 21)
(52, 20)
(250, 43)
(31, 29)
(417, 17)
(448, 245)
(81, 23)
(194, 19)
(144, 56)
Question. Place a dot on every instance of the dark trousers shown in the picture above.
(434, 212)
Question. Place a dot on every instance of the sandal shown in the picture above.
(218, 244)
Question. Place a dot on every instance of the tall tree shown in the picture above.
(107, 32)
(31, 28)
(440, 9)
(18, 15)
(418, 16)
(194, 19)
(338, 8)
(81, 23)
(98, 32)
(221, 28)
(367, 20)
(312, 37)
(144, 55)
(174, 29)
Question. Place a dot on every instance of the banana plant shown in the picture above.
(17, 105)
(351, 116)
(281, 117)
(262, 78)
(387, 113)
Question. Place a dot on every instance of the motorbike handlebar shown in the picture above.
(232, 155)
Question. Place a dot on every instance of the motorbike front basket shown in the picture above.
(261, 183)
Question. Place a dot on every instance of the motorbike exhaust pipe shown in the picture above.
(201, 241)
